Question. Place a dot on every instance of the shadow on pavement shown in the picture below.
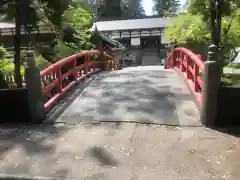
(126, 95)
(26, 142)
(27, 148)
(102, 156)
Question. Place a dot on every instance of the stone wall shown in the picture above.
(10, 111)
(228, 106)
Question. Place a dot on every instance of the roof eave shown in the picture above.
(115, 43)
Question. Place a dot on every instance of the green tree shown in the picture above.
(132, 9)
(187, 27)
(75, 34)
(27, 14)
(166, 7)
(109, 9)
(116, 9)
(195, 27)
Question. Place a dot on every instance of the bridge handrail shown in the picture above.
(168, 63)
(191, 64)
(67, 60)
(194, 57)
(54, 76)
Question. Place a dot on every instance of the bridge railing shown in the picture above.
(191, 65)
(60, 76)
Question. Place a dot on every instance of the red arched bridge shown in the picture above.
(145, 94)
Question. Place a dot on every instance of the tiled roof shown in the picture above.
(107, 39)
(132, 24)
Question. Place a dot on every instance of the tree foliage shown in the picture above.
(116, 9)
(197, 26)
(28, 13)
(132, 9)
(194, 27)
(166, 7)
(34, 11)
(186, 27)
(72, 22)
(75, 34)
(110, 9)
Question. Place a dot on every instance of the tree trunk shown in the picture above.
(219, 24)
(17, 44)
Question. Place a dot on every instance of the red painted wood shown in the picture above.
(63, 81)
(190, 64)
(196, 85)
(75, 68)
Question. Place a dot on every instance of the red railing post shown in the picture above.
(173, 58)
(75, 68)
(86, 64)
(54, 76)
(59, 77)
(196, 72)
(178, 59)
(191, 64)
(187, 68)
(182, 62)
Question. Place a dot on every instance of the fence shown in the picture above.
(39, 30)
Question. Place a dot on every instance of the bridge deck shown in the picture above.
(146, 94)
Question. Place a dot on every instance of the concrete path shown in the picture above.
(145, 94)
(118, 151)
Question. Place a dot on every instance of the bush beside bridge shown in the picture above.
(72, 37)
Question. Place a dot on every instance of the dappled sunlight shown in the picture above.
(136, 94)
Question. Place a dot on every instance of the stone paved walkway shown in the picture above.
(145, 94)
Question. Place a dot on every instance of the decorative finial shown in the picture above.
(212, 52)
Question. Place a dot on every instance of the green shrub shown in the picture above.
(236, 66)
(8, 68)
(3, 52)
(61, 50)
(41, 62)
